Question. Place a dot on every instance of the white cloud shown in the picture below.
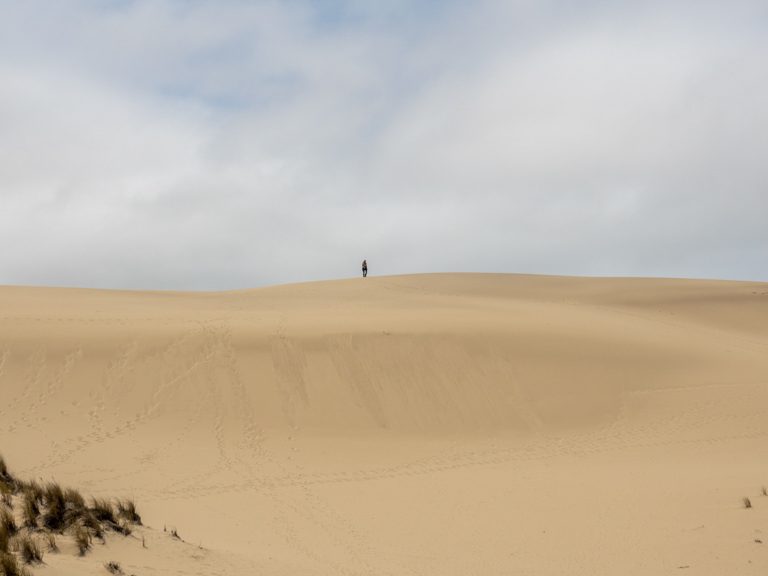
(226, 144)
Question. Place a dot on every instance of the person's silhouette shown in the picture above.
(365, 268)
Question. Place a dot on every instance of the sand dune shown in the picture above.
(432, 424)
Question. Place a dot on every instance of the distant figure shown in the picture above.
(365, 268)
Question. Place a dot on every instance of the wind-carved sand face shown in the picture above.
(434, 424)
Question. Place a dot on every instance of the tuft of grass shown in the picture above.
(74, 507)
(9, 566)
(8, 522)
(124, 528)
(7, 529)
(74, 499)
(30, 509)
(53, 491)
(55, 504)
(82, 540)
(7, 487)
(7, 482)
(48, 509)
(127, 509)
(103, 511)
(113, 567)
(29, 549)
(90, 522)
(747, 502)
(5, 541)
(765, 491)
(51, 541)
(35, 489)
(175, 534)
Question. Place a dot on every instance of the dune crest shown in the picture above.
(346, 426)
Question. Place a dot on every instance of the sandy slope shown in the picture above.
(435, 424)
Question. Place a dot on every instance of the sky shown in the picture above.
(213, 145)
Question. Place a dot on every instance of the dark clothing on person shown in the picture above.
(365, 268)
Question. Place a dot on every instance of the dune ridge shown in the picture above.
(406, 424)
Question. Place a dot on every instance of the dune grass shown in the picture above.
(8, 484)
(54, 517)
(73, 498)
(126, 509)
(33, 488)
(113, 567)
(5, 541)
(30, 510)
(49, 509)
(82, 540)
(8, 521)
(9, 566)
(8, 529)
(51, 541)
(103, 511)
(29, 549)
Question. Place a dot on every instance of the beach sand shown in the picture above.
(440, 424)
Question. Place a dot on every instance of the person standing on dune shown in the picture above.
(365, 268)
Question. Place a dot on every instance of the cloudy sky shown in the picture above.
(194, 144)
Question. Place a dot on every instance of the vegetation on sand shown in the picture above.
(47, 510)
